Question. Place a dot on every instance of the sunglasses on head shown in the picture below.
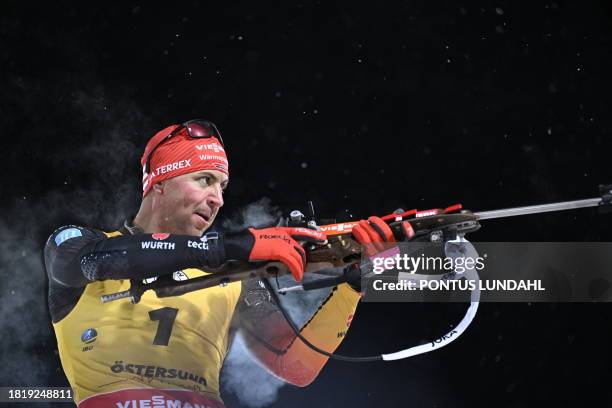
(196, 129)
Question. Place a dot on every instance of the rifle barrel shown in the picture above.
(541, 208)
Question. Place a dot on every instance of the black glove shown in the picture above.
(352, 276)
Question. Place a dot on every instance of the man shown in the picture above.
(168, 352)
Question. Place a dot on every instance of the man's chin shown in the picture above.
(198, 230)
(199, 225)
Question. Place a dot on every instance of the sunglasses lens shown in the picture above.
(201, 129)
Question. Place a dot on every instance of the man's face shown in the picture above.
(188, 204)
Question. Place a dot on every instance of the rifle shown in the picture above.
(435, 225)
(342, 250)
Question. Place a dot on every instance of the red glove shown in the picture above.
(275, 244)
(372, 233)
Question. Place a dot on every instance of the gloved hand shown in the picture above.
(372, 233)
(274, 244)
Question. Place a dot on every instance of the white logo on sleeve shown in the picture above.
(66, 235)
(198, 245)
(179, 276)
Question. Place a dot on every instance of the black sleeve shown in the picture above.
(75, 255)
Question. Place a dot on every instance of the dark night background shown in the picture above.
(360, 107)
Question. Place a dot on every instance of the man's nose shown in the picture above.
(216, 198)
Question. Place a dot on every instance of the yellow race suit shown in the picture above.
(169, 351)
